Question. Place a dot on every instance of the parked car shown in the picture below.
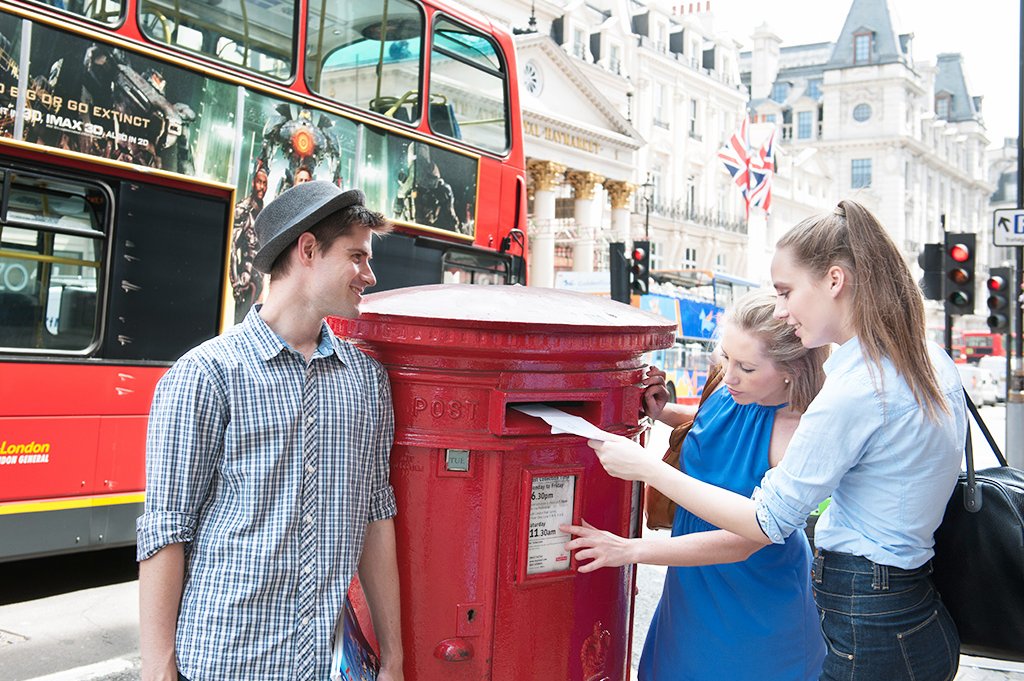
(997, 365)
(980, 384)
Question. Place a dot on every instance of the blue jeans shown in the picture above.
(882, 622)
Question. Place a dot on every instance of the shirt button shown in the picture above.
(308, 569)
(310, 420)
(309, 517)
(311, 468)
(305, 621)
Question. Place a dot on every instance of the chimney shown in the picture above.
(764, 67)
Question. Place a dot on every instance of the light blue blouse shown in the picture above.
(889, 467)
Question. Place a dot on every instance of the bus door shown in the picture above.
(103, 283)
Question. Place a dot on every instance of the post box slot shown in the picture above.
(518, 423)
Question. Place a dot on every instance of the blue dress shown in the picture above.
(752, 620)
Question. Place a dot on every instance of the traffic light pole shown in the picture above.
(1015, 384)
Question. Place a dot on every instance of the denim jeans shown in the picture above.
(882, 622)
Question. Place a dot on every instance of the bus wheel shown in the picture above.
(671, 392)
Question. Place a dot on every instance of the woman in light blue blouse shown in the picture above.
(884, 437)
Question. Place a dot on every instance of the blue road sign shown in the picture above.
(1008, 227)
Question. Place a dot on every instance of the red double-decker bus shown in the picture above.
(982, 344)
(139, 139)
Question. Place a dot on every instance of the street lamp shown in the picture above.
(648, 188)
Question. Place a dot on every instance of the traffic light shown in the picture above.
(930, 260)
(958, 264)
(998, 286)
(640, 268)
(618, 271)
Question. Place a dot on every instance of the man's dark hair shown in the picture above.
(332, 228)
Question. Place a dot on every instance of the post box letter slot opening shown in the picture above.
(512, 422)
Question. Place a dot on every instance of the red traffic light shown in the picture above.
(639, 254)
(959, 252)
(996, 283)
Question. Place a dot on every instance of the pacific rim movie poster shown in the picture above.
(90, 97)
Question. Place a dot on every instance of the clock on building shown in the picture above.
(532, 79)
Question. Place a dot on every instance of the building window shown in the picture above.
(780, 91)
(615, 59)
(942, 106)
(771, 118)
(814, 88)
(720, 262)
(860, 172)
(657, 257)
(803, 125)
(862, 48)
(861, 112)
(689, 258)
(693, 118)
(579, 47)
(659, 103)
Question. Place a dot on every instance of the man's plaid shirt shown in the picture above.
(268, 469)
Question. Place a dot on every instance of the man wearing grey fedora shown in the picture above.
(267, 469)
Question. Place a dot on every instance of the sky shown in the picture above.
(985, 32)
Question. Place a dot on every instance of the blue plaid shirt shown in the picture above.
(268, 469)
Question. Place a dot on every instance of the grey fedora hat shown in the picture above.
(297, 209)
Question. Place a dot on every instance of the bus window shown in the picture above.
(51, 248)
(257, 37)
(468, 88)
(109, 12)
(366, 54)
(474, 268)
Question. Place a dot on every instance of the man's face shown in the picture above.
(302, 175)
(341, 274)
(259, 185)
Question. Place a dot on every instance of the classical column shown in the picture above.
(544, 177)
(583, 183)
(619, 193)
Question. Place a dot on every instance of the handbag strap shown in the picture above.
(972, 493)
(715, 375)
(984, 429)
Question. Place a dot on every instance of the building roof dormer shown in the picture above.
(951, 83)
(868, 37)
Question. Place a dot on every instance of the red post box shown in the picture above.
(488, 590)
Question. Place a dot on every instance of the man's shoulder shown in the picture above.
(214, 354)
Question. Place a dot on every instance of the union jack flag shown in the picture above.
(762, 169)
(736, 157)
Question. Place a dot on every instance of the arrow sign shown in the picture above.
(1008, 227)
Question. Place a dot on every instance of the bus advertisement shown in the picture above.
(686, 363)
(139, 139)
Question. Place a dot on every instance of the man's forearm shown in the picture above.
(378, 573)
(160, 584)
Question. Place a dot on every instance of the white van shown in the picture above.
(980, 384)
(997, 365)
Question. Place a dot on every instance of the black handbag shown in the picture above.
(979, 557)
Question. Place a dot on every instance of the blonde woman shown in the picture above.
(731, 608)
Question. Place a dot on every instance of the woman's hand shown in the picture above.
(602, 549)
(655, 392)
(622, 458)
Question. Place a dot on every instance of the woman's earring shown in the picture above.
(786, 381)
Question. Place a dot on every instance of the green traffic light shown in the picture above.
(959, 299)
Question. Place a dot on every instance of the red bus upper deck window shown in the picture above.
(257, 37)
(367, 54)
(468, 87)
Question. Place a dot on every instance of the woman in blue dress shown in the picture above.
(731, 608)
